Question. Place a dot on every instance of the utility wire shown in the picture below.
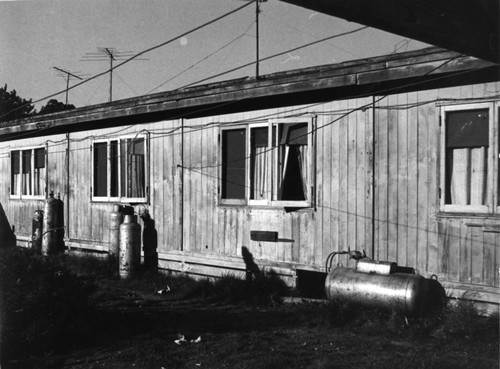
(274, 56)
(276, 114)
(134, 57)
(201, 60)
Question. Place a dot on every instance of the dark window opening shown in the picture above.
(100, 169)
(113, 162)
(293, 162)
(233, 164)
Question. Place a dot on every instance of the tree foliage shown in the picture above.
(13, 106)
(53, 106)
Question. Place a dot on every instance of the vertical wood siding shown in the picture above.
(386, 197)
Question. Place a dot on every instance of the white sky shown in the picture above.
(37, 35)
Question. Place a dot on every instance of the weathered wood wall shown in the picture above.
(377, 184)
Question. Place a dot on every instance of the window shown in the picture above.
(268, 164)
(28, 173)
(119, 170)
(469, 165)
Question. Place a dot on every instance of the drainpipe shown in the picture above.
(182, 186)
(67, 186)
(373, 176)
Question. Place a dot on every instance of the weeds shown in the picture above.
(264, 288)
(43, 303)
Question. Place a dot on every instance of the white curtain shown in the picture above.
(260, 186)
(468, 176)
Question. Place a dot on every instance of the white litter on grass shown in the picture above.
(163, 291)
(198, 340)
(181, 339)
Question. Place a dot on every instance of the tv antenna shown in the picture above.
(67, 76)
(105, 53)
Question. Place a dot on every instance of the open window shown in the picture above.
(28, 174)
(119, 170)
(469, 158)
(268, 164)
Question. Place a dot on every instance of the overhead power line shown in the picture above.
(274, 56)
(135, 56)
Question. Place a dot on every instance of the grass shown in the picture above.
(74, 311)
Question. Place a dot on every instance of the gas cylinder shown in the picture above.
(376, 285)
(130, 246)
(115, 219)
(53, 225)
(37, 231)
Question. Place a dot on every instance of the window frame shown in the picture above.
(492, 194)
(18, 195)
(119, 198)
(271, 170)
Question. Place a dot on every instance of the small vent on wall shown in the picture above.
(268, 236)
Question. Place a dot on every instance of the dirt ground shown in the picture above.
(130, 330)
(90, 318)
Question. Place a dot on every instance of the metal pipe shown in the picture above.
(373, 176)
(67, 184)
(182, 187)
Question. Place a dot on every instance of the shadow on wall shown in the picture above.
(7, 236)
(251, 269)
(150, 242)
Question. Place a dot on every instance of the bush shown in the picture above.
(43, 303)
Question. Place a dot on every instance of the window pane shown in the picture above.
(39, 173)
(113, 162)
(26, 172)
(233, 164)
(40, 158)
(133, 168)
(292, 162)
(467, 128)
(467, 141)
(15, 172)
(100, 169)
(259, 165)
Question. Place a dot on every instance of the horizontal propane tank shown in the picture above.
(385, 285)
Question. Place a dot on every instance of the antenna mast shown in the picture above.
(68, 76)
(257, 12)
(105, 53)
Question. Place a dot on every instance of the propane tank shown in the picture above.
(375, 285)
(53, 225)
(115, 219)
(130, 246)
(37, 231)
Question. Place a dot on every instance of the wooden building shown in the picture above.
(395, 155)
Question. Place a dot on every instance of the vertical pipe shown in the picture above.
(373, 176)
(67, 185)
(182, 187)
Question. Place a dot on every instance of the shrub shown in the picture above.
(43, 303)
